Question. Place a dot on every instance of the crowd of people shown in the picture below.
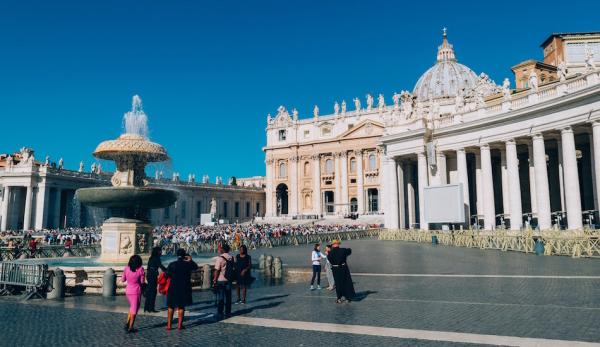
(66, 237)
(167, 234)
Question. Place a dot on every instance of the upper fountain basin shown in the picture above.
(131, 145)
(127, 197)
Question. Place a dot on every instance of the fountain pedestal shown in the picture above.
(124, 237)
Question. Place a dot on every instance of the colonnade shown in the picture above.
(500, 192)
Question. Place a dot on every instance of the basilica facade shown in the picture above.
(525, 156)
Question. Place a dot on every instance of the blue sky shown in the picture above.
(209, 72)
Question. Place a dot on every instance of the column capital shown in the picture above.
(510, 142)
(294, 159)
(566, 130)
(343, 154)
(461, 150)
(537, 136)
(421, 154)
(269, 161)
(358, 152)
(595, 123)
(484, 146)
(316, 156)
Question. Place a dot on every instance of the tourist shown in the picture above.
(133, 275)
(154, 264)
(341, 273)
(179, 294)
(223, 275)
(328, 271)
(316, 266)
(243, 265)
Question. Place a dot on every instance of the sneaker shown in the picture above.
(243, 302)
(237, 302)
(312, 287)
(319, 287)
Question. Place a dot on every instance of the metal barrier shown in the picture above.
(573, 243)
(32, 277)
(49, 251)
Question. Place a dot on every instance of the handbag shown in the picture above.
(163, 282)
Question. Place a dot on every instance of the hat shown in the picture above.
(335, 242)
(181, 253)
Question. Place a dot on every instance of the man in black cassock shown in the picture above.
(341, 273)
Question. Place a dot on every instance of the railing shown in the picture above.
(56, 251)
(32, 277)
(270, 242)
(570, 243)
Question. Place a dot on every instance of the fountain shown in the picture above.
(129, 200)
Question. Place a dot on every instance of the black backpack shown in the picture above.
(229, 272)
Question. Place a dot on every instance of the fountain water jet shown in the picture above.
(130, 198)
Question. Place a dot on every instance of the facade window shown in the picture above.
(306, 134)
(325, 131)
(353, 165)
(236, 209)
(372, 162)
(225, 209)
(350, 126)
(306, 169)
(247, 209)
(282, 135)
(198, 209)
(282, 170)
(329, 166)
(183, 208)
(167, 213)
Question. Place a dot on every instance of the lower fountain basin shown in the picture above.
(127, 197)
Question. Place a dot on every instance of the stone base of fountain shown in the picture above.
(122, 238)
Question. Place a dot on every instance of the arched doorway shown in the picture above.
(329, 202)
(353, 205)
(281, 199)
(373, 198)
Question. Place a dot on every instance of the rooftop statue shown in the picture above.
(533, 81)
(590, 65)
(336, 108)
(316, 111)
(343, 106)
(380, 102)
(396, 99)
(506, 89)
(562, 71)
(357, 106)
(81, 166)
(369, 102)
(295, 114)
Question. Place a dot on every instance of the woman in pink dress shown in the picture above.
(133, 275)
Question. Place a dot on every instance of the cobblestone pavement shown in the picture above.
(503, 295)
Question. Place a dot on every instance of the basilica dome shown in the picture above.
(446, 77)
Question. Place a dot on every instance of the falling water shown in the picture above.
(136, 121)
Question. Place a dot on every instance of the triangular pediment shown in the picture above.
(365, 128)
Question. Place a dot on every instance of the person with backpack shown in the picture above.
(224, 274)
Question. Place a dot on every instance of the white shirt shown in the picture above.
(316, 257)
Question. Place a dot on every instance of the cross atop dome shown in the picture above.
(445, 51)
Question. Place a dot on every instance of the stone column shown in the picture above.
(532, 192)
(561, 178)
(572, 197)
(390, 191)
(270, 179)
(410, 194)
(478, 185)
(505, 189)
(57, 221)
(400, 194)
(28, 208)
(489, 208)
(541, 182)
(5, 203)
(294, 198)
(41, 208)
(423, 175)
(344, 179)
(360, 189)
(316, 160)
(593, 165)
(441, 168)
(463, 178)
(596, 148)
(514, 185)
(337, 182)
